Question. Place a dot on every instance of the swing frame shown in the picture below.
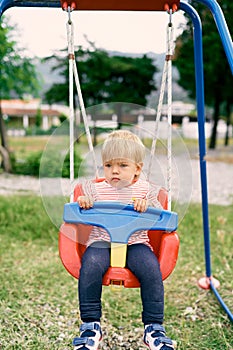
(100, 5)
(225, 36)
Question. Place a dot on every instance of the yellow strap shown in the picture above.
(116, 285)
(118, 254)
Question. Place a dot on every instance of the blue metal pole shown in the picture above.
(199, 76)
(221, 302)
(222, 28)
(6, 4)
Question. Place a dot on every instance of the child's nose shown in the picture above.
(115, 169)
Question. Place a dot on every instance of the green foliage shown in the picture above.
(39, 298)
(36, 131)
(38, 118)
(66, 167)
(217, 74)
(62, 118)
(52, 167)
(18, 77)
(106, 78)
(18, 73)
(29, 166)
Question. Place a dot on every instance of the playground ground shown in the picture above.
(39, 299)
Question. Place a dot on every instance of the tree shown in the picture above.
(106, 78)
(17, 77)
(217, 74)
(39, 118)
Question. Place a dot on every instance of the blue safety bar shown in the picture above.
(120, 220)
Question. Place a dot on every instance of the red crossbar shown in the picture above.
(121, 5)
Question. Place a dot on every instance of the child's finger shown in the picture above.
(140, 205)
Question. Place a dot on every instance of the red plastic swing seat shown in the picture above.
(73, 239)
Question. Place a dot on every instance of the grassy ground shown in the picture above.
(23, 146)
(38, 299)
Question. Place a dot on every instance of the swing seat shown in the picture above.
(73, 238)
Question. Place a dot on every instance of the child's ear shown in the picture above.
(138, 168)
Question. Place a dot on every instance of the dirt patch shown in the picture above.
(221, 154)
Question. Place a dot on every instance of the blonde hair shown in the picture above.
(123, 144)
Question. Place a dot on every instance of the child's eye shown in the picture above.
(107, 165)
(124, 165)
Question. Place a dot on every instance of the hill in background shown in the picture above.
(49, 77)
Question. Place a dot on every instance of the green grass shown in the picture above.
(38, 298)
(25, 145)
(47, 156)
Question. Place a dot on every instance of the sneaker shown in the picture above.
(90, 337)
(155, 339)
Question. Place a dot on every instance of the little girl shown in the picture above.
(122, 156)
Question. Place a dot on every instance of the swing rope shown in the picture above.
(71, 101)
(73, 72)
(169, 112)
(166, 79)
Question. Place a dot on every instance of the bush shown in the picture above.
(37, 131)
(48, 166)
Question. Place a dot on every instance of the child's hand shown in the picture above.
(85, 202)
(140, 204)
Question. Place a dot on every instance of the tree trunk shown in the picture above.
(213, 137)
(6, 161)
(228, 122)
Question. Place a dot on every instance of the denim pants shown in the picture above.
(141, 261)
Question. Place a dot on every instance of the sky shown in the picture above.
(42, 31)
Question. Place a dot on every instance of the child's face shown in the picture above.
(121, 172)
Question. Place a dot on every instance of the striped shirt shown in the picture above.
(102, 191)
